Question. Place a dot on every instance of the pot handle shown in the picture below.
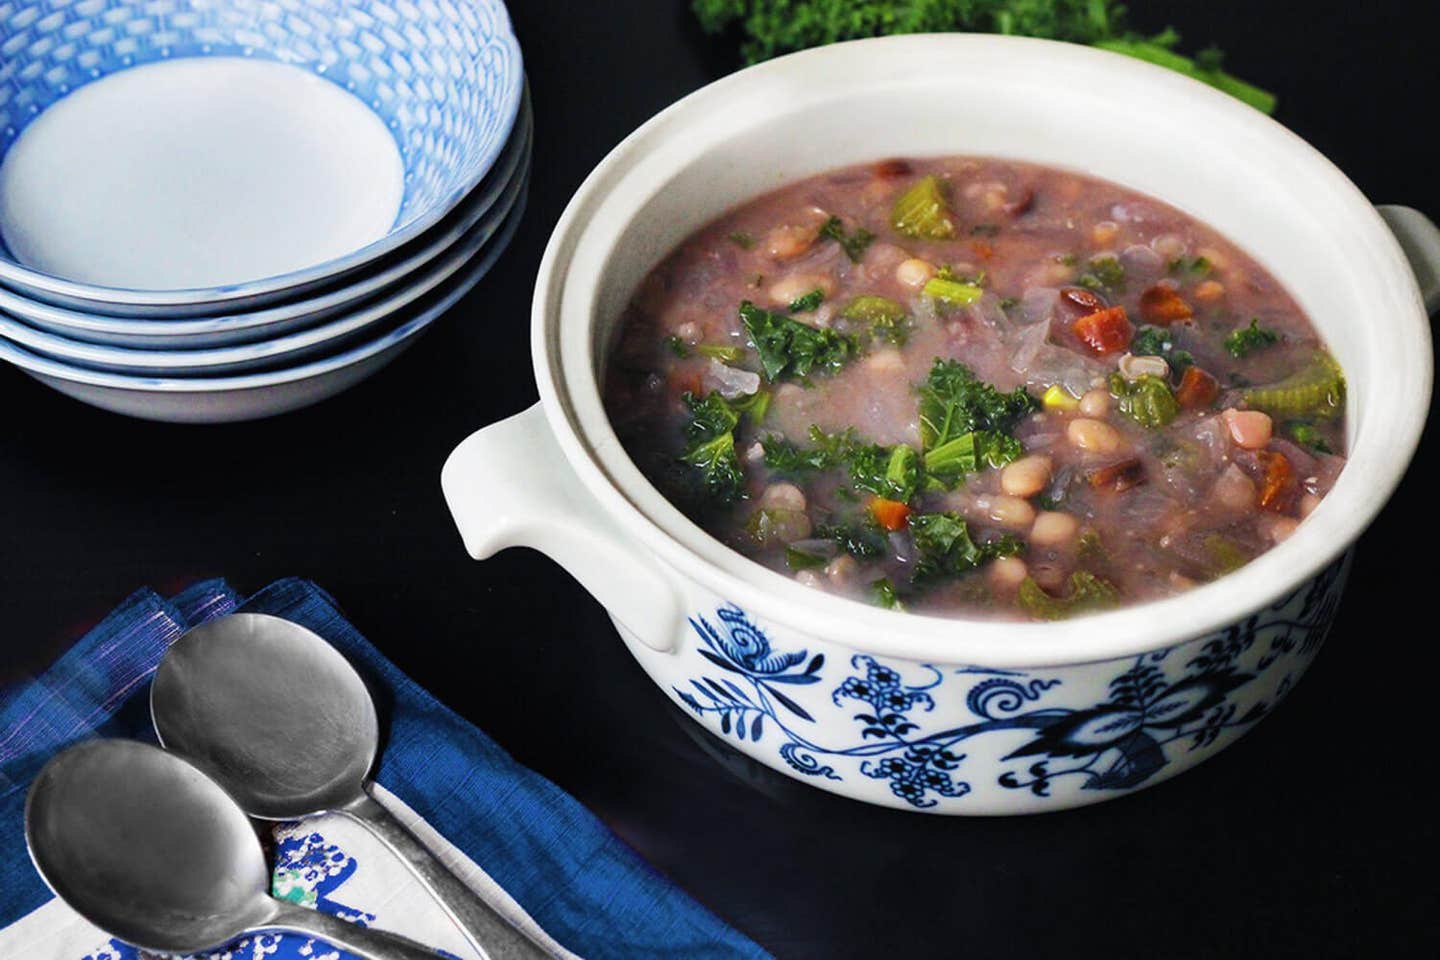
(1420, 239)
(509, 485)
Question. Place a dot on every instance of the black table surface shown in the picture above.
(1314, 835)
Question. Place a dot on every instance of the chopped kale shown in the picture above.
(1244, 341)
(1152, 341)
(886, 319)
(883, 594)
(677, 346)
(965, 423)
(797, 559)
(710, 441)
(1307, 435)
(889, 472)
(862, 540)
(1104, 274)
(1189, 267)
(854, 244)
(827, 450)
(791, 350)
(946, 549)
(806, 303)
(1087, 593)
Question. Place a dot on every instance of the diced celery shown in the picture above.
(923, 212)
(1316, 391)
(953, 292)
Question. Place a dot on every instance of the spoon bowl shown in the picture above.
(270, 710)
(146, 847)
(149, 849)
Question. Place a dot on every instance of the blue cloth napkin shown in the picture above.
(588, 890)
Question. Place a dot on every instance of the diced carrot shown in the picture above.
(1162, 305)
(1280, 488)
(1105, 331)
(1197, 390)
(984, 249)
(890, 514)
(1119, 477)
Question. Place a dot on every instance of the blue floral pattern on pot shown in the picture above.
(1160, 705)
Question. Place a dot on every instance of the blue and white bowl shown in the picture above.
(187, 346)
(278, 352)
(444, 75)
(956, 716)
(268, 393)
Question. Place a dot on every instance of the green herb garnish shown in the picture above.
(1243, 341)
(771, 27)
(677, 346)
(742, 240)
(853, 244)
(790, 349)
(984, 230)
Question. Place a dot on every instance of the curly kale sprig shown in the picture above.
(773, 27)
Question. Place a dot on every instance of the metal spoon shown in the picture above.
(152, 851)
(282, 720)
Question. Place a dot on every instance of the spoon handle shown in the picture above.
(489, 932)
(361, 941)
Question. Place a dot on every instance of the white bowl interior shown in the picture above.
(1055, 104)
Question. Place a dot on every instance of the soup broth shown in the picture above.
(968, 386)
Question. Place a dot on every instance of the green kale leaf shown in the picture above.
(790, 349)
(1244, 341)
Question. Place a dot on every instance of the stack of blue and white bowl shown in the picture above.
(225, 210)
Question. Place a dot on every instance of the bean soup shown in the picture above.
(977, 387)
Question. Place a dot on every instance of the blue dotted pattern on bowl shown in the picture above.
(444, 75)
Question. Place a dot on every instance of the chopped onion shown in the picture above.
(729, 381)
(1132, 368)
